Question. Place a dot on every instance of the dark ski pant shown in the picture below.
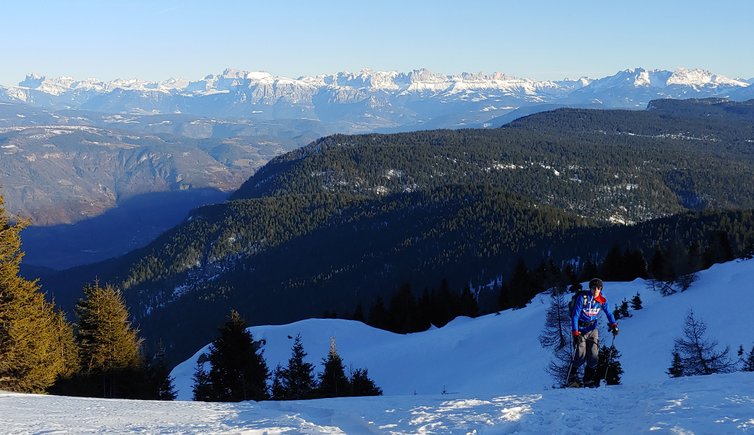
(587, 350)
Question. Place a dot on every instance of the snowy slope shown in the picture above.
(501, 353)
(491, 368)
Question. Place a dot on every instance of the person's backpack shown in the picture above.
(572, 304)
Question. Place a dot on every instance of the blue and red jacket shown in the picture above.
(585, 312)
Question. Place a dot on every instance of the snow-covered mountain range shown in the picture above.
(371, 100)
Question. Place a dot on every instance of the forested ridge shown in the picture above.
(627, 166)
(349, 219)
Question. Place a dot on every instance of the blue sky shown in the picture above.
(548, 39)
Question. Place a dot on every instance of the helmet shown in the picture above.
(595, 283)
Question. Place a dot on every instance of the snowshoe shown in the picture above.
(574, 383)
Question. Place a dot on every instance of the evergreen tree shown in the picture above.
(202, 387)
(238, 370)
(105, 337)
(358, 314)
(658, 267)
(297, 379)
(608, 366)
(378, 315)
(403, 310)
(613, 268)
(467, 305)
(749, 361)
(68, 347)
(505, 298)
(696, 256)
(676, 368)
(108, 345)
(362, 385)
(521, 286)
(333, 381)
(589, 270)
(636, 303)
(442, 309)
(698, 354)
(159, 377)
(635, 264)
(740, 355)
(677, 260)
(623, 309)
(35, 340)
(278, 392)
(718, 250)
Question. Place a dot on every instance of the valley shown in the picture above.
(347, 219)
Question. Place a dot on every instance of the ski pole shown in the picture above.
(609, 359)
(570, 366)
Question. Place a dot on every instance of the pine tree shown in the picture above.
(358, 314)
(297, 379)
(378, 315)
(333, 381)
(676, 369)
(613, 268)
(35, 340)
(108, 345)
(521, 287)
(402, 310)
(635, 264)
(68, 347)
(158, 372)
(749, 361)
(698, 354)
(467, 305)
(608, 366)
(740, 354)
(636, 303)
(278, 391)
(202, 387)
(238, 371)
(105, 336)
(362, 385)
(589, 270)
(658, 267)
(624, 309)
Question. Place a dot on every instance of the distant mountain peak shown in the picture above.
(700, 77)
(370, 99)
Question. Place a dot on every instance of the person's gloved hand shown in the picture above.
(613, 327)
(578, 338)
